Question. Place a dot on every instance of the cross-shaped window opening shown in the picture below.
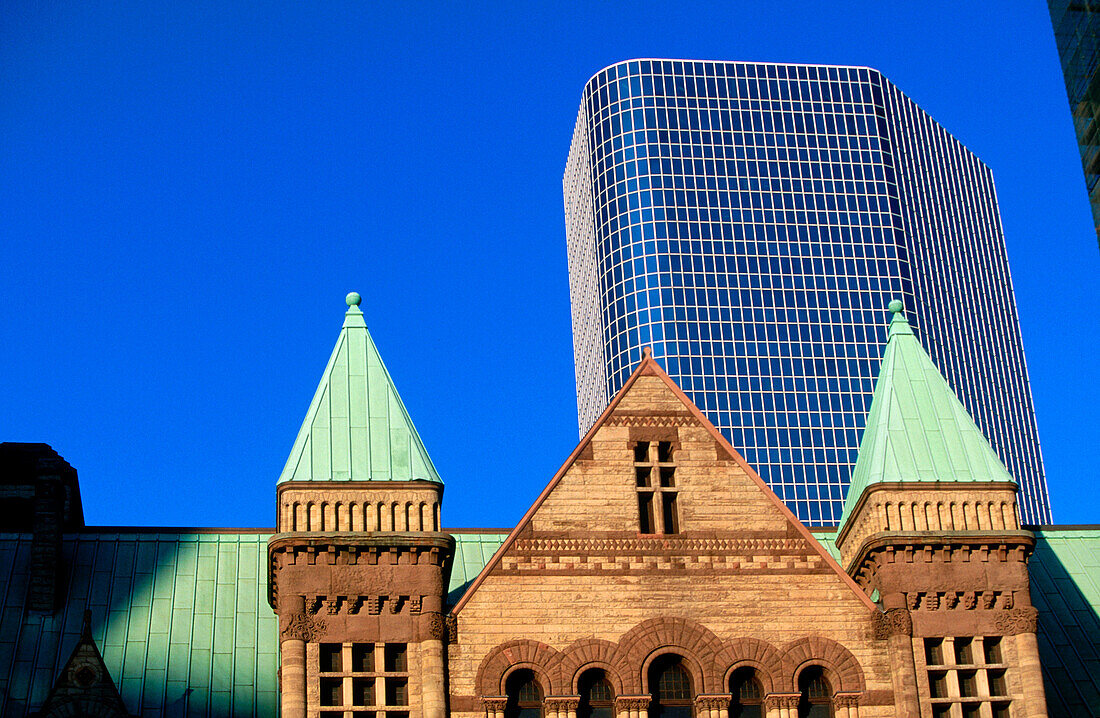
(655, 482)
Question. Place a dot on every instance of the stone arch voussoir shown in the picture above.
(544, 659)
(596, 653)
(752, 652)
(695, 640)
(841, 667)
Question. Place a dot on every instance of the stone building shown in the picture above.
(656, 575)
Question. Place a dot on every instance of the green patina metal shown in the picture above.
(1065, 587)
(181, 620)
(917, 429)
(357, 428)
(473, 549)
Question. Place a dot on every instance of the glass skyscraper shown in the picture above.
(1077, 32)
(750, 223)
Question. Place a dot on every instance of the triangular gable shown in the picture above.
(917, 429)
(84, 686)
(649, 367)
(357, 427)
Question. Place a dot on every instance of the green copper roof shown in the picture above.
(180, 618)
(357, 428)
(917, 429)
(1065, 587)
(473, 549)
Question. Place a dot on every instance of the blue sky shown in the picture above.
(188, 190)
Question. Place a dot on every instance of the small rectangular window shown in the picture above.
(968, 684)
(332, 714)
(358, 714)
(397, 691)
(664, 451)
(395, 658)
(972, 710)
(998, 686)
(668, 509)
(641, 451)
(645, 512)
(362, 692)
(933, 651)
(331, 654)
(937, 684)
(964, 654)
(1000, 710)
(993, 650)
(941, 710)
(642, 473)
(362, 658)
(332, 692)
(668, 476)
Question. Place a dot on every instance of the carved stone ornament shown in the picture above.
(779, 701)
(304, 627)
(713, 703)
(845, 700)
(1017, 620)
(452, 628)
(437, 628)
(632, 703)
(893, 622)
(562, 703)
(494, 704)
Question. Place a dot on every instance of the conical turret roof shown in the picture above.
(357, 428)
(917, 429)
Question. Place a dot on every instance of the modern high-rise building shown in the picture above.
(1077, 32)
(750, 222)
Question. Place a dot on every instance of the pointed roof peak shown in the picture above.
(917, 429)
(357, 427)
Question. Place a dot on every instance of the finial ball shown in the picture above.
(353, 299)
(895, 306)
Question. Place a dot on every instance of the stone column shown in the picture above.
(895, 625)
(631, 706)
(494, 706)
(562, 706)
(432, 691)
(1022, 623)
(846, 705)
(714, 705)
(297, 629)
(781, 705)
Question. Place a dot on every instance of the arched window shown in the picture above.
(670, 686)
(816, 700)
(597, 695)
(748, 696)
(524, 695)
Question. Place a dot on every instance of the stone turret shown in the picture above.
(930, 529)
(359, 565)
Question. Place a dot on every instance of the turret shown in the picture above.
(359, 564)
(930, 530)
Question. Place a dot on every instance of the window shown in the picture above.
(964, 674)
(816, 699)
(524, 695)
(369, 680)
(597, 696)
(655, 482)
(670, 687)
(748, 696)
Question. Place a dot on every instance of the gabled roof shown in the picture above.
(85, 682)
(357, 428)
(917, 429)
(649, 367)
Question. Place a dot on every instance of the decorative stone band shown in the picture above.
(437, 627)
(1017, 621)
(892, 622)
(649, 420)
(303, 627)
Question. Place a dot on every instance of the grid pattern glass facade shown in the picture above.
(1077, 32)
(750, 222)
